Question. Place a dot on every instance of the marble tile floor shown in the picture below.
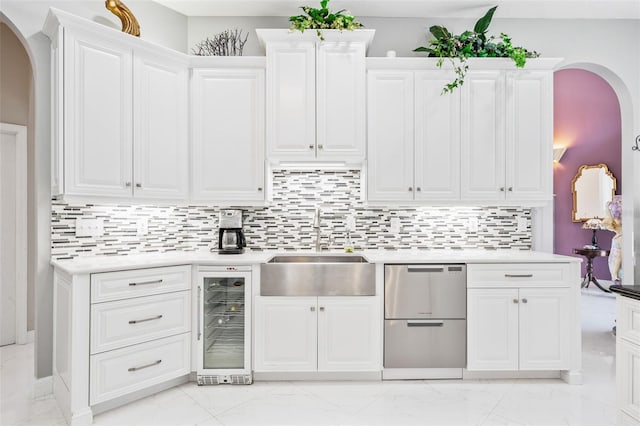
(433, 402)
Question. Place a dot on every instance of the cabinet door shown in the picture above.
(291, 111)
(98, 116)
(285, 334)
(492, 329)
(390, 136)
(227, 135)
(544, 329)
(349, 334)
(341, 83)
(437, 138)
(628, 376)
(160, 129)
(529, 158)
(483, 136)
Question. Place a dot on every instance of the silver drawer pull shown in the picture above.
(157, 317)
(145, 366)
(146, 282)
(518, 275)
(425, 323)
(423, 269)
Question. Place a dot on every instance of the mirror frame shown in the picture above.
(578, 175)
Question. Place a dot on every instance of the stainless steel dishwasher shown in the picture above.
(425, 325)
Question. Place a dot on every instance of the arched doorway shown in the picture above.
(614, 125)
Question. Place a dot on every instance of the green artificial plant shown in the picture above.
(323, 19)
(472, 44)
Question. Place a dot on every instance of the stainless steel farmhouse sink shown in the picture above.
(317, 275)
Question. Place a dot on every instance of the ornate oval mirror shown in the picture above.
(592, 188)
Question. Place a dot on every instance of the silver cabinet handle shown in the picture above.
(418, 189)
(423, 269)
(138, 185)
(515, 300)
(320, 146)
(157, 317)
(502, 189)
(145, 366)
(146, 282)
(127, 184)
(425, 323)
(518, 275)
(410, 189)
(199, 296)
(313, 309)
(524, 300)
(321, 308)
(259, 188)
(310, 146)
(511, 189)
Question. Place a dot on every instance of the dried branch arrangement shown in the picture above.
(226, 43)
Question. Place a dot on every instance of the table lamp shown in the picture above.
(593, 224)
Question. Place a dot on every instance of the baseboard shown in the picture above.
(421, 373)
(473, 375)
(43, 387)
(316, 375)
(572, 377)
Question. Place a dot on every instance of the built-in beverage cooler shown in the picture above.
(224, 327)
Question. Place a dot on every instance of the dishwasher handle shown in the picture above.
(425, 323)
(424, 269)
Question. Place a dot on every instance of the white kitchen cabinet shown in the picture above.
(120, 113)
(310, 334)
(519, 317)
(507, 138)
(628, 359)
(413, 137)
(119, 336)
(315, 95)
(227, 135)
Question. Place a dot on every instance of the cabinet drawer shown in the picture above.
(140, 319)
(628, 326)
(139, 282)
(122, 371)
(518, 275)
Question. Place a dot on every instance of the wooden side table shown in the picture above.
(590, 254)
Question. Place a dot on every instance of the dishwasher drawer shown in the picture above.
(425, 343)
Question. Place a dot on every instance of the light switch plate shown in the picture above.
(350, 224)
(394, 225)
(522, 224)
(472, 224)
(89, 227)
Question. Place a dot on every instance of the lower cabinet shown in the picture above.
(317, 333)
(513, 326)
(628, 359)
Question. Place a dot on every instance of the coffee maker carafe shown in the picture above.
(230, 236)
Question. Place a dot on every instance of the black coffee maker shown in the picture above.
(230, 236)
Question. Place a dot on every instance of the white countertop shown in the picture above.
(93, 264)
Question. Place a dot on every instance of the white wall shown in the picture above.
(158, 24)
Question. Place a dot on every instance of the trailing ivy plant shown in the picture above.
(323, 19)
(472, 44)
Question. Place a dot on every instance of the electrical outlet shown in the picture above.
(89, 227)
(350, 224)
(522, 224)
(472, 224)
(394, 225)
(142, 226)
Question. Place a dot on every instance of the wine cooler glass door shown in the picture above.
(224, 322)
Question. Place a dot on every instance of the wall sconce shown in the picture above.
(558, 152)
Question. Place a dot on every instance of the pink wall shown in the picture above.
(587, 122)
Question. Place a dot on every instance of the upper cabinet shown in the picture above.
(488, 142)
(227, 107)
(315, 95)
(119, 114)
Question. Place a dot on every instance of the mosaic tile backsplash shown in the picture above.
(286, 223)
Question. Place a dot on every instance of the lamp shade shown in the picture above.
(594, 223)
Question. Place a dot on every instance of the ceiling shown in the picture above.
(549, 9)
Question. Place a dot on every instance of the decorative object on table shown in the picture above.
(613, 223)
(323, 19)
(226, 43)
(593, 224)
(592, 188)
(129, 22)
(590, 254)
(472, 44)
